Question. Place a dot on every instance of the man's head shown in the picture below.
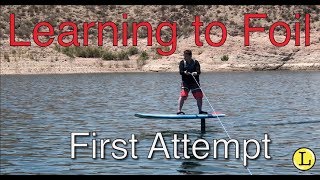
(187, 54)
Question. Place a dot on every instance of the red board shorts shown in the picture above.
(196, 91)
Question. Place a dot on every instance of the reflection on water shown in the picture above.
(192, 165)
(188, 167)
(39, 113)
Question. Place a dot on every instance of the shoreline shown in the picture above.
(153, 71)
(93, 65)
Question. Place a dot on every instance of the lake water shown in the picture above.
(39, 113)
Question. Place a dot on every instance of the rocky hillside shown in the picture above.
(232, 55)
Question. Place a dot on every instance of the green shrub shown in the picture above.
(108, 56)
(225, 58)
(123, 55)
(6, 56)
(142, 59)
(144, 56)
(68, 51)
(133, 50)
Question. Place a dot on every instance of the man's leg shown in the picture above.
(199, 104)
(183, 96)
(198, 95)
(181, 102)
